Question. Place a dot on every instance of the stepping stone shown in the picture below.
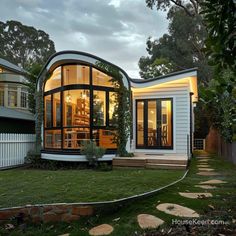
(203, 157)
(146, 221)
(177, 210)
(214, 181)
(203, 165)
(206, 169)
(208, 173)
(103, 229)
(196, 195)
(203, 160)
(205, 186)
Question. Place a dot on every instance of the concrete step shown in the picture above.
(166, 166)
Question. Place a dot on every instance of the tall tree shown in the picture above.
(24, 45)
(180, 49)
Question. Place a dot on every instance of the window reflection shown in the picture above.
(101, 79)
(99, 108)
(54, 81)
(166, 124)
(76, 109)
(56, 110)
(75, 74)
(105, 138)
(52, 138)
(48, 111)
(112, 108)
(140, 123)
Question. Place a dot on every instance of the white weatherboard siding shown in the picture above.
(181, 116)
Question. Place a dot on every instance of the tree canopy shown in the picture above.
(180, 49)
(24, 45)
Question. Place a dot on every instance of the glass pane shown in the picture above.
(57, 109)
(76, 108)
(52, 139)
(112, 108)
(54, 81)
(152, 123)
(1, 97)
(101, 79)
(99, 108)
(140, 123)
(166, 123)
(76, 74)
(74, 137)
(47, 111)
(12, 97)
(105, 138)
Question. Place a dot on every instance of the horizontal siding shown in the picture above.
(181, 109)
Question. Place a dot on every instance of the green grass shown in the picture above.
(27, 186)
(223, 200)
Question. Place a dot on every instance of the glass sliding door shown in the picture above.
(154, 124)
(140, 123)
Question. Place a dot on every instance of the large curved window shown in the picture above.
(79, 104)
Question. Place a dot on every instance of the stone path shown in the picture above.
(177, 210)
(208, 173)
(146, 221)
(203, 165)
(205, 186)
(103, 229)
(205, 169)
(196, 195)
(214, 181)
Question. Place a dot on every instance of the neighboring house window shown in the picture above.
(24, 98)
(1, 97)
(12, 97)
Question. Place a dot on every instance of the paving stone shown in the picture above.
(196, 195)
(203, 165)
(205, 169)
(177, 210)
(203, 157)
(205, 186)
(209, 173)
(103, 229)
(213, 181)
(149, 221)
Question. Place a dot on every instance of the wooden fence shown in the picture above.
(14, 148)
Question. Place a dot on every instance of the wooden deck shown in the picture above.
(152, 161)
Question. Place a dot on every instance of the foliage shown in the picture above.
(92, 152)
(104, 166)
(24, 45)
(122, 110)
(190, 7)
(180, 49)
(219, 18)
(34, 71)
(220, 96)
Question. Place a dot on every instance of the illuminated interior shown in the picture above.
(79, 105)
(154, 123)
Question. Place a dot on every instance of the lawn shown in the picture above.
(222, 206)
(29, 186)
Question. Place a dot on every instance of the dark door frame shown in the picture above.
(158, 119)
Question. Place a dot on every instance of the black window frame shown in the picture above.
(65, 88)
(159, 114)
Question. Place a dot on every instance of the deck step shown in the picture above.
(129, 162)
(167, 161)
(166, 166)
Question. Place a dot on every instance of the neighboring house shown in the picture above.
(14, 111)
(79, 105)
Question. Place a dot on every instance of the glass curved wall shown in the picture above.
(79, 104)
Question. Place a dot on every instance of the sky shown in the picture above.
(115, 30)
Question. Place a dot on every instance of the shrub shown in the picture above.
(92, 152)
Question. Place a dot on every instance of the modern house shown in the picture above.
(79, 104)
(14, 111)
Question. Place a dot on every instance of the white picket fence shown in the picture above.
(14, 148)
